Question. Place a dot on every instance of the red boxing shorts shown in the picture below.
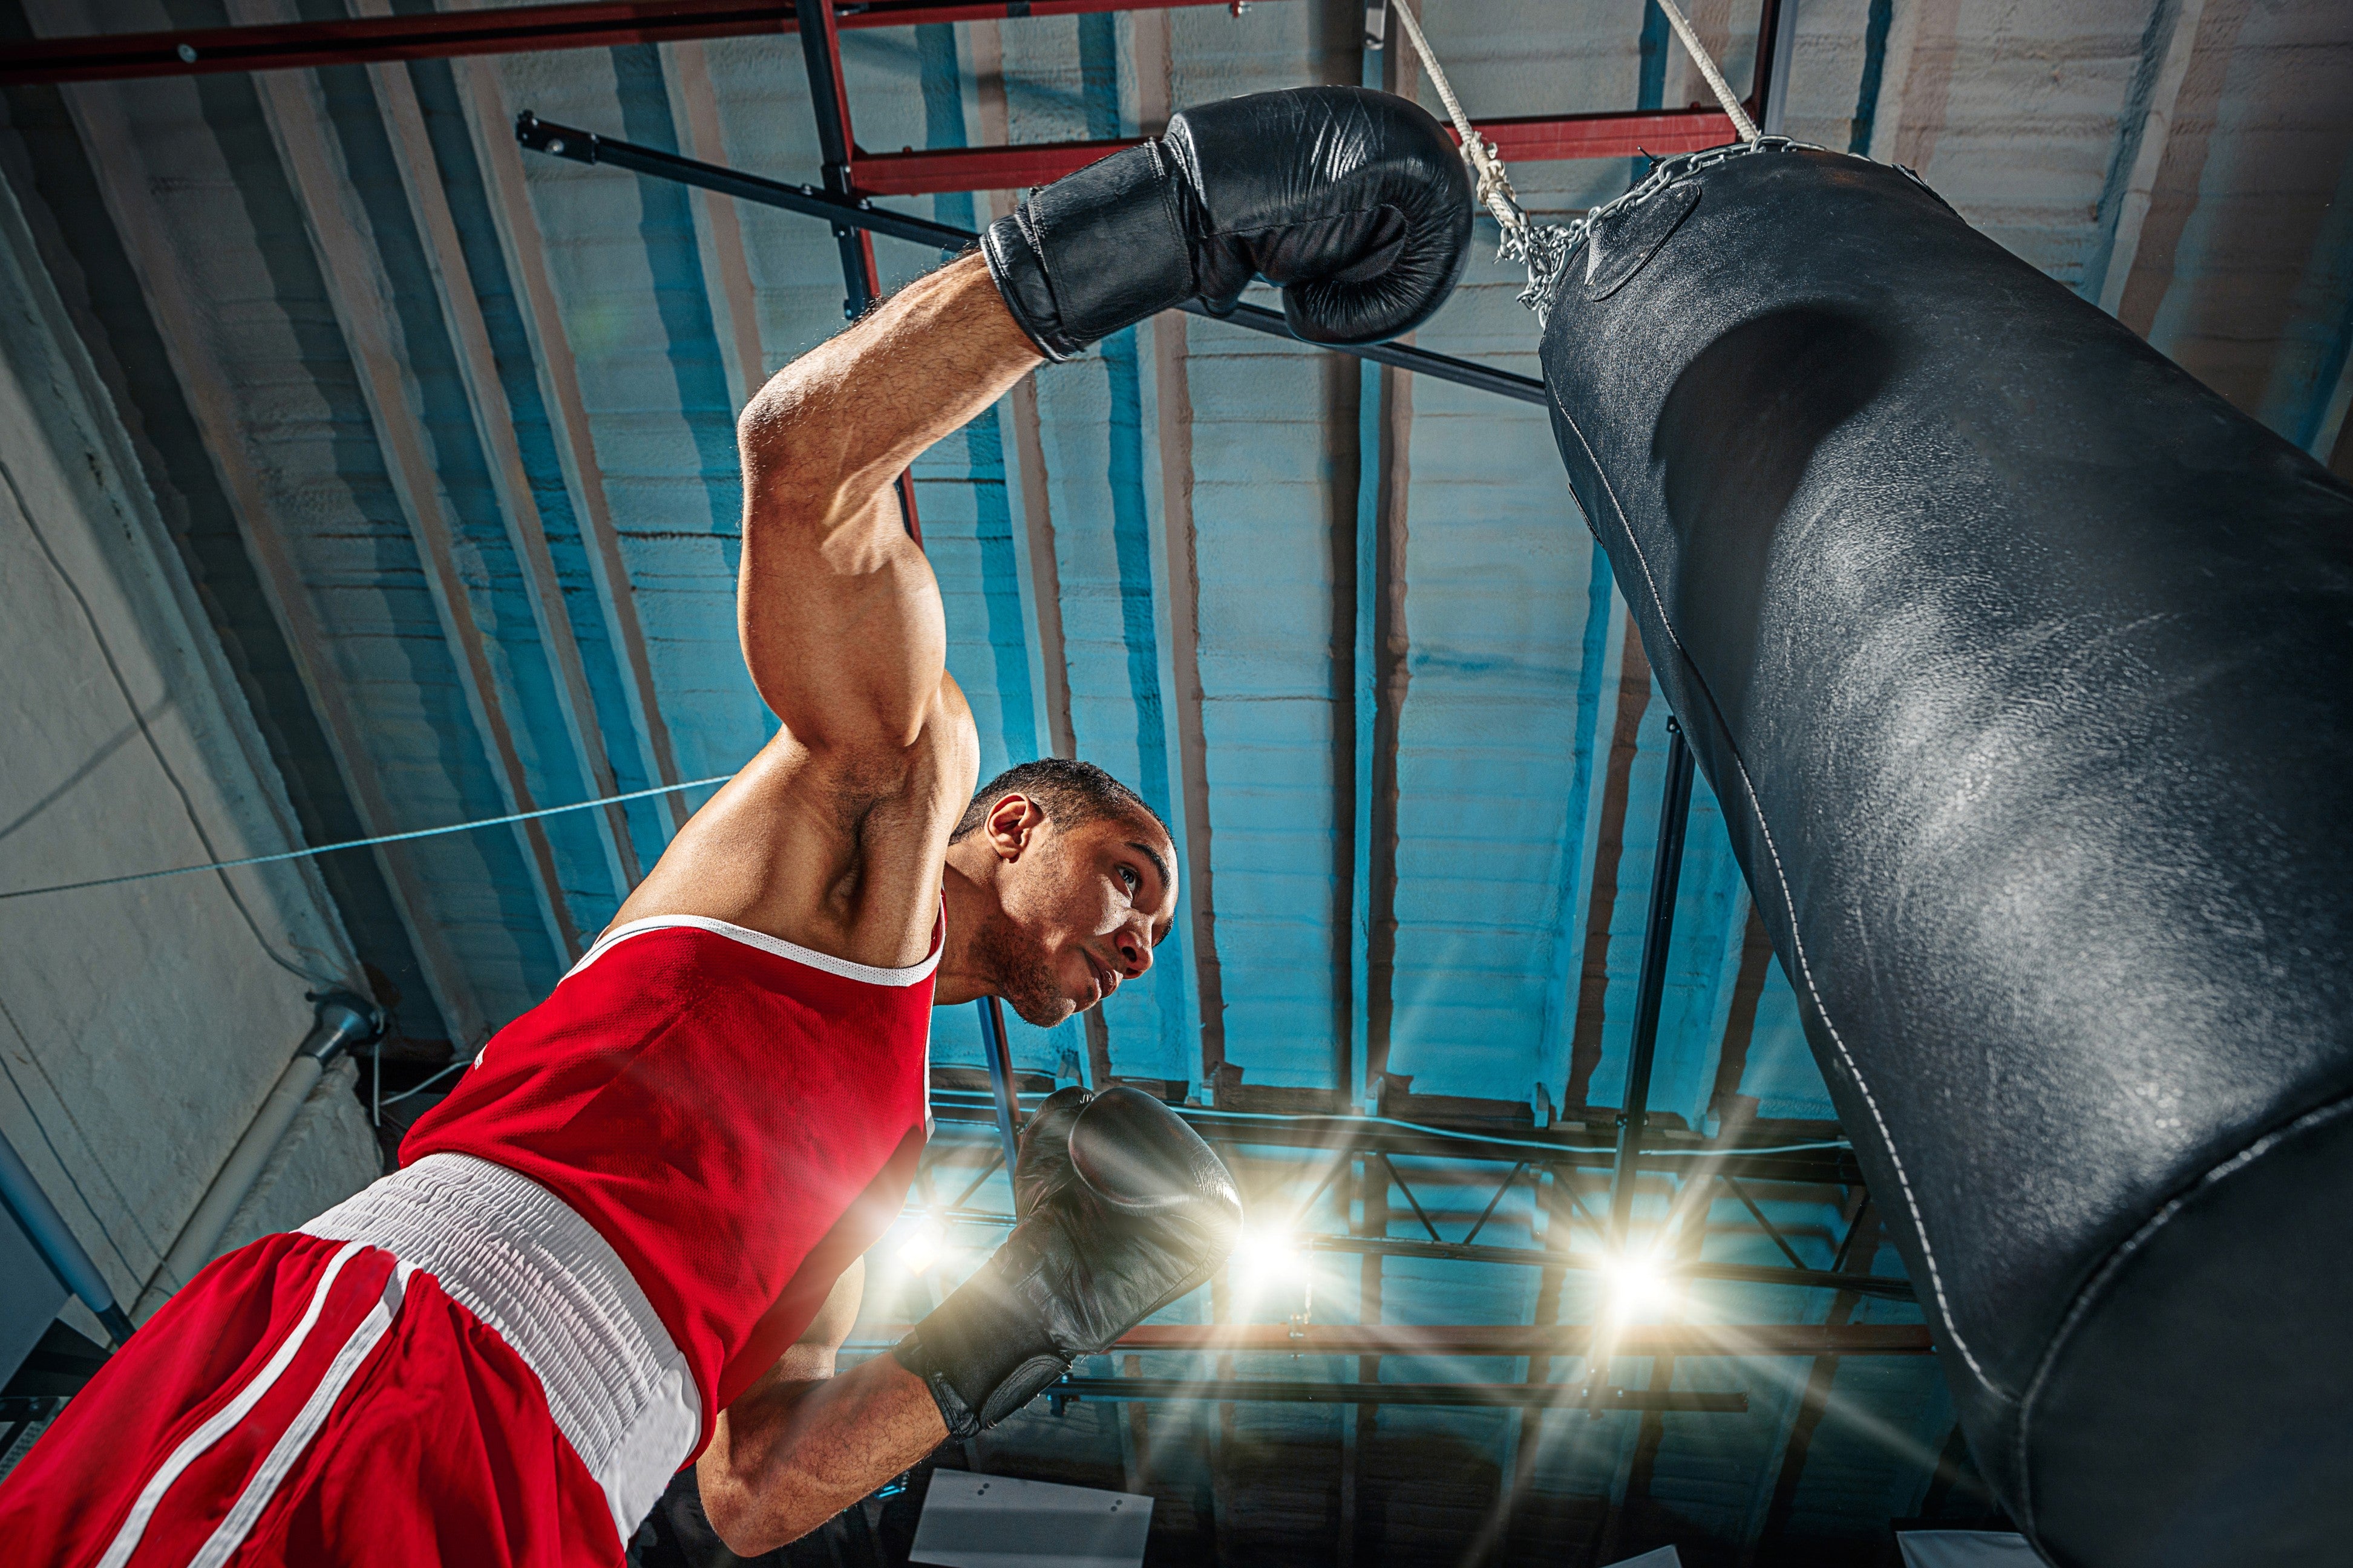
(449, 1368)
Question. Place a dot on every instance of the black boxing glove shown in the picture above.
(1120, 1207)
(1354, 201)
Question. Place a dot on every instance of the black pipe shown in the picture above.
(1649, 987)
(1524, 1395)
(1000, 1078)
(588, 147)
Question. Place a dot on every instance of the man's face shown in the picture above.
(1084, 906)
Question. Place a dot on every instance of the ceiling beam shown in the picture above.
(1532, 138)
(1484, 1396)
(509, 29)
(1688, 1339)
(352, 274)
(718, 235)
(1572, 1147)
(212, 400)
(489, 123)
(493, 420)
(2142, 132)
(1862, 1245)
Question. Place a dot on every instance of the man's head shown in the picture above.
(1085, 878)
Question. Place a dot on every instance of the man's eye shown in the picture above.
(1127, 874)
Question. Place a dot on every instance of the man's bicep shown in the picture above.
(842, 627)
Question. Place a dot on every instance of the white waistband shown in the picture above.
(521, 1259)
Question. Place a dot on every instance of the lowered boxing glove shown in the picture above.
(1354, 201)
(1120, 1207)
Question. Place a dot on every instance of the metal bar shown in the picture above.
(1416, 1202)
(1526, 139)
(1536, 1258)
(55, 1240)
(1777, 46)
(1505, 1394)
(1580, 1150)
(1520, 1339)
(1000, 1078)
(995, 1163)
(587, 147)
(1778, 1240)
(507, 29)
(836, 143)
(1658, 932)
(1500, 1188)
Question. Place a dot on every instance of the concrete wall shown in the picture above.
(141, 1025)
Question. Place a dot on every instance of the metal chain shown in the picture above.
(1543, 248)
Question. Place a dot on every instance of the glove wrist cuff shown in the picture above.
(982, 1355)
(1093, 252)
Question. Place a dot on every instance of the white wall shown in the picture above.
(141, 1025)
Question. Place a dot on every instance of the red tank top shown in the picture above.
(738, 1116)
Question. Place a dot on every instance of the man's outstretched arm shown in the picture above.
(840, 614)
(801, 1445)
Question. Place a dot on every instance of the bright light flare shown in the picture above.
(923, 1245)
(1265, 1256)
(1638, 1283)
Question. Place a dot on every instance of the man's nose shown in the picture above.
(1134, 952)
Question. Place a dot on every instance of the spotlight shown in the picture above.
(1637, 1281)
(924, 1244)
(1266, 1257)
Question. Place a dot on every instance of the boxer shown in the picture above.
(601, 1247)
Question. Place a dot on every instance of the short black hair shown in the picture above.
(1067, 791)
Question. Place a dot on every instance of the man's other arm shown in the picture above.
(839, 615)
(801, 1445)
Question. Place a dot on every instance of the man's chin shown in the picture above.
(1045, 1011)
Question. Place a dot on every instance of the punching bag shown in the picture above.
(2023, 665)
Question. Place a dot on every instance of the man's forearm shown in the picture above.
(841, 421)
(790, 1456)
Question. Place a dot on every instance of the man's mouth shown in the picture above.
(1106, 978)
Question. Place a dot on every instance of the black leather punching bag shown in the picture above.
(2023, 667)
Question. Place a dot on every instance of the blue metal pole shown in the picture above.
(57, 1245)
(1000, 1078)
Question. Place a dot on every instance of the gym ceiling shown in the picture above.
(445, 425)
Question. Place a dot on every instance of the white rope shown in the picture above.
(1494, 188)
(1706, 63)
(1543, 248)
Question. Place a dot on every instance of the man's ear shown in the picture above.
(1012, 826)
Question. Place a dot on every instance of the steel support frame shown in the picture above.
(605, 23)
(588, 147)
(830, 103)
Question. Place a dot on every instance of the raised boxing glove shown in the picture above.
(1119, 1207)
(1354, 201)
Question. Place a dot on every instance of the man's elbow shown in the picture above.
(748, 1524)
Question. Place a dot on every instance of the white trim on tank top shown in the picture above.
(866, 972)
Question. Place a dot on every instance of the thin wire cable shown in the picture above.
(380, 838)
(420, 1089)
(139, 718)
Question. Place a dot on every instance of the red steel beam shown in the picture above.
(1520, 1339)
(1534, 140)
(509, 29)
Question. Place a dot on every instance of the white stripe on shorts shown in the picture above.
(194, 1445)
(525, 1262)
